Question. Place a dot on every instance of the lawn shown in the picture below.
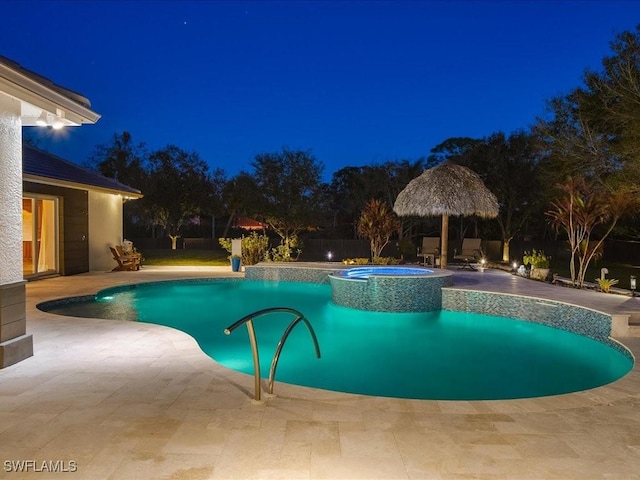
(181, 258)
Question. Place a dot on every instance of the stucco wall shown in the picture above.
(105, 229)
(10, 191)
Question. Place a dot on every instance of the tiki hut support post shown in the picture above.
(444, 241)
(444, 190)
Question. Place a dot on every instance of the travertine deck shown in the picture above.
(131, 400)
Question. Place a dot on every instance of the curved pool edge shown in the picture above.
(470, 303)
(124, 287)
(319, 273)
(570, 317)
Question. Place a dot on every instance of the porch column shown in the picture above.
(15, 345)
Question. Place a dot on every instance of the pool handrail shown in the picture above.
(248, 320)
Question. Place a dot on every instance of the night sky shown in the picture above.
(354, 82)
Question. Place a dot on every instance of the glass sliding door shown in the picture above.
(39, 235)
(28, 266)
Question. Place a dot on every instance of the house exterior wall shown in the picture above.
(15, 344)
(10, 191)
(73, 222)
(105, 229)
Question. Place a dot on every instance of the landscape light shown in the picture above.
(329, 256)
(632, 285)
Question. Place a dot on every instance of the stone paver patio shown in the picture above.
(129, 400)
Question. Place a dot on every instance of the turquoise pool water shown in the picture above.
(435, 355)
(362, 273)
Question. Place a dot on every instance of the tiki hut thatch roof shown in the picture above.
(447, 189)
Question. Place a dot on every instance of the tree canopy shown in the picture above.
(288, 191)
(177, 185)
(592, 132)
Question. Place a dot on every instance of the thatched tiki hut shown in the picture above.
(447, 190)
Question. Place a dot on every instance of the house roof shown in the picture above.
(43, 167)
(250, 224)
(38, 95)
(70, 94)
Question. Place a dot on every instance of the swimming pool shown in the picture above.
(440, 355)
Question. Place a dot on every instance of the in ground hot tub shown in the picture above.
(389, 289)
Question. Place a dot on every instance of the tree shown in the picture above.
(289, 188)
(508, 167)
(571, 145)
(179, 188)
(595, 130)
(451, 149)
(352, 187)
(121, 160)
(214, 205)
(377, 223)
(612, 95)
(581, 207)
(124, 161)
(398, 174)
(239, 195)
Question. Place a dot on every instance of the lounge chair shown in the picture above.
(125, 262)
(131, 252)
(430, 249)
(469, 252)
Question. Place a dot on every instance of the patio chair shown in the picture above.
(125, 262)
(470, 252)
(123, 251)
(430, 249)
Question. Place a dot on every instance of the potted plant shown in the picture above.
(235, 262)
(539, 263)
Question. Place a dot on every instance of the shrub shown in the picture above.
(537, 259)
(254, 248)
(605, 284)
(288, 252)
(385, 261)
(356, 261)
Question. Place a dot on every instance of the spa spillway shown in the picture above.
(389, 289)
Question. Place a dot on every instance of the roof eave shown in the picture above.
(79, 186)
(29, 90)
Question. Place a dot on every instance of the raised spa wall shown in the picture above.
(390, 293)
(393, 293)
(573, 318)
